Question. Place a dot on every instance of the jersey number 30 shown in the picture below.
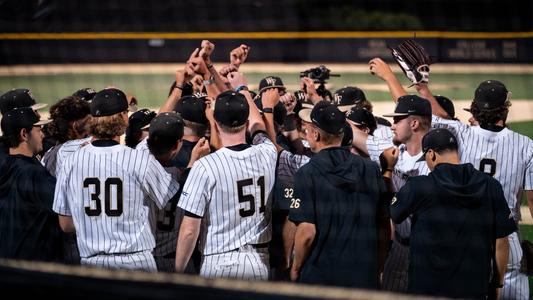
(250, 198)
(95, 196)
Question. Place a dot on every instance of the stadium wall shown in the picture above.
(289, 47)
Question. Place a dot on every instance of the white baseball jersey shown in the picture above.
(376, 145)
(231, 190)
(397, 263)
(53, 163)
(508, 157)
(383, 132)
(164, 222)
(106, 190)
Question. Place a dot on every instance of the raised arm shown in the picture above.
(382, 70)
(182, 77)
(270, 99)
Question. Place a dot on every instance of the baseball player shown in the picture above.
(504, 154)
(229, 192)
(164, 142)
(102, 190)
(135, 132)
(70, 117)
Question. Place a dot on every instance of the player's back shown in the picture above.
(108, 189)
(239, 185)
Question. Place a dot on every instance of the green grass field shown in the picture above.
(152, 89)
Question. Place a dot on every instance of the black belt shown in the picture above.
(400, 239)
(255, 246)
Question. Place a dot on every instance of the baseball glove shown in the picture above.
(413, 60)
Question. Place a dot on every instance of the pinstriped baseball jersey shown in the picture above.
(397, 263)
(383, 132)
(375, 145)
(164, 222)
(106, 190)
(231, 190)
(508, 157)
(53, 164)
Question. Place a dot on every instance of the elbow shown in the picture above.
(66, 224)
(306, 233)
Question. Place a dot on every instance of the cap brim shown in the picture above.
(345, 108)
(396, 115)
(272, 87)
(38, 106)
(305, 114)
(42, 122)
(467, 109)
(145, 127)
(307, 105)
(353, 122)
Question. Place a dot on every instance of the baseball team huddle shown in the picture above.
(302, 186)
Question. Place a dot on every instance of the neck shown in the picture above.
(320, 146)
(21, 150)
(414, 145)
(115, 138)
(191, 138)
(448, 158)
(233, 139)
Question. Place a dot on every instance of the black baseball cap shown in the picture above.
(325, 116)
(270, 82)
(141, 119)
(361, 117)
(231, 109)
(192, 108)
(86, 94)
(18, 118)
(447, 105)
(167, 125)
(16, 98)
(108, 102)
(280, 112)
(409, 105)
(491, 94)
(438, 140)
(347, 97)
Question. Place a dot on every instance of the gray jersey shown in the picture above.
(231, 190)
(508, 157)
(106, 190)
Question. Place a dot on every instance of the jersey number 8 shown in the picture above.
(109, 211)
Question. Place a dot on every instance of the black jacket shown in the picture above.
(341, 194)
(29, 229)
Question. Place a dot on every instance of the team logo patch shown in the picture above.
(185, 194)
(393, 200)
(270, 81)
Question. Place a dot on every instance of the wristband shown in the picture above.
(241, 87)
(209, 66)
(178, 87)
(268, 110)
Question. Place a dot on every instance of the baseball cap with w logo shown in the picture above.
(348, 97)
(270, 82)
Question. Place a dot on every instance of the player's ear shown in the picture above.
(316, 135)
(23, 135)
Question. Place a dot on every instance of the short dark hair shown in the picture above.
(13, 140)
(160, 147)
(490, 116)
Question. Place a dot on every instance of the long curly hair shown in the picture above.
(490, 116)
(62, 114)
